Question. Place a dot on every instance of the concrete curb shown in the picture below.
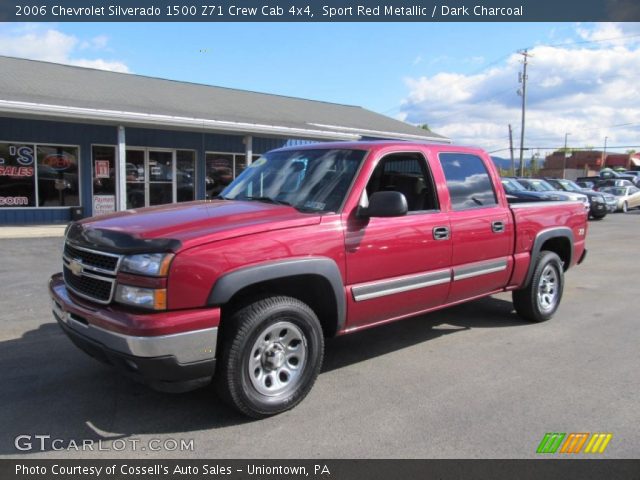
(32, 231)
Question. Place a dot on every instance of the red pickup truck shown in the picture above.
(307, 243)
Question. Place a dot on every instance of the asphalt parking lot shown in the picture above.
(473, 381)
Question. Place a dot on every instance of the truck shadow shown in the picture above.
(51, 388)
(487, 312)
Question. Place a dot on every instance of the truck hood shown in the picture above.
(185, 225)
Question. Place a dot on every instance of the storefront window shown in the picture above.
(222, 168)
(58, 176)
(185, 175)
(17, 175)
(219, 172)
(43, 175)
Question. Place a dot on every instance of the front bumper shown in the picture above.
(173, 362)
(598, 209)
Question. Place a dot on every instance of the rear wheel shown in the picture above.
(538, 301)
(271, 356)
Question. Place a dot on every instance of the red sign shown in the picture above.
(102, 169)
(57, 161)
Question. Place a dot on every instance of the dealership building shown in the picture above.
(76, 142)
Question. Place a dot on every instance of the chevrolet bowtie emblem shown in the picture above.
(76, 267)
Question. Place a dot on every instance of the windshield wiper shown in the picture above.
(268, 200)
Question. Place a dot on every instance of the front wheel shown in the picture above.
(538, 301)
(271, 356)
(625, 207)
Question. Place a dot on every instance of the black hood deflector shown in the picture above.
(118, 242)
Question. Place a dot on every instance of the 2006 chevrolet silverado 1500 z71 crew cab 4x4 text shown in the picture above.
(307, 243)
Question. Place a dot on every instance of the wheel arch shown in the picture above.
(314, 280)
(557, 240)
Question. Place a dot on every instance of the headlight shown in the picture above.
(152, 298)
(152, 264)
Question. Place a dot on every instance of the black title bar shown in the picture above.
(160, 469)
(318, 10)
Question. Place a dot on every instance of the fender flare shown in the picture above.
(556, 232)
(231, 283)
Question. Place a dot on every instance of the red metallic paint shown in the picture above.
(117, 319)
(222, 236)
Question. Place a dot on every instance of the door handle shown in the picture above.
(497, 226)
(441, 233)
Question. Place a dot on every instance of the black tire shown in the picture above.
(625, 207)
(271, 356)
(538, 301)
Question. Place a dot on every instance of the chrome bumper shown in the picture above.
(186, 347)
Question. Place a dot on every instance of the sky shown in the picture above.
(461, 79)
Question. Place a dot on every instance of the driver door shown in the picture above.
(398, 266)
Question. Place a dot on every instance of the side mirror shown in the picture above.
(385, 204)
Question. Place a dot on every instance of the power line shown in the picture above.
(555, 148)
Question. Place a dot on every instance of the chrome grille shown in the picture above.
(92, 259)
(89, 287)
(90, 273)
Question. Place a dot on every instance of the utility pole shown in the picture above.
(604, 153)
(513, 162)
(523, 93)
(566, 154)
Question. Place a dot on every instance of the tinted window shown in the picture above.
(307, 179)
(468, 181)
(405, 173)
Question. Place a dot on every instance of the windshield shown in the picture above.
(569, 186)
(512, 186)
(539, 186)
(617, 191)
(309, 180)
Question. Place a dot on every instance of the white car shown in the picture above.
(627, 197)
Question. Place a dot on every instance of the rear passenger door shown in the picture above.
(481, 229)
(400, 265)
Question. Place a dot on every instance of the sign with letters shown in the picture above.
(102, 169)
(103, 204)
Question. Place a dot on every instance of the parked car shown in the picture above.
(635, 176)
(598, 205)
(611, 201)
(516, 193)
(627, 197)
(608, 173)
(586, 184)
(613, 182)
(243, 289)
(539, 185)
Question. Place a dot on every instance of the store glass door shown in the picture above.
(161, 167)
(150, 175)
(136, 179)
